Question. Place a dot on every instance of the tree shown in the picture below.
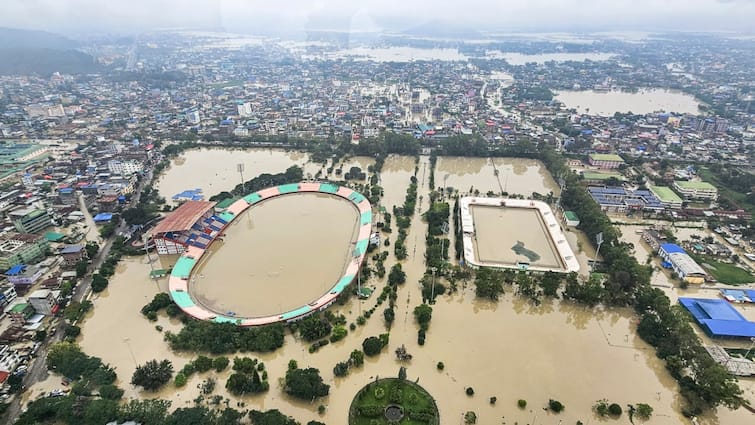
(644, 411)
(180, 380)
(341, 369)
(202, 364)
(153, 374)
(356, 358)
(396, 276)
(488, 283)
(92, 248)
(67, 359)
(100, 411)
(555, 405)
(423, 313)
(314, 327)
(111, 392)
(271, 417)
(99, 282)
(305, 384)
(372, 346)
(246, 383)
(220, 363)
(81, 268)
(149, 411)
(191, 416)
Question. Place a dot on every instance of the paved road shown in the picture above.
(37, 370)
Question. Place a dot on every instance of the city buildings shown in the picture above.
(608, 161)
(696, 190)
(30, 219)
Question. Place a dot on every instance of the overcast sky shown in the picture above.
(250, 16)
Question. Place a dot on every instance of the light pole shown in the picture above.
(599, 240)
(432, 288)
(240, 169)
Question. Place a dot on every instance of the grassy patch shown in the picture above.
(724, 272)
(412, 398)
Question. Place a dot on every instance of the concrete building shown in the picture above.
(126, 168)
(244, 109)
(605, 160)
(7, 295)
(19, 311)
(21, 248)
(43, 301)
(30, 220)
(696, 190)
(684, 266)
(9, 359)
(23, 277)
(668, 197)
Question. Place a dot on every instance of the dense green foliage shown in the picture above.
(221, 338)
(153, 374)
(369, 404)
(271, 417)
(305, 384)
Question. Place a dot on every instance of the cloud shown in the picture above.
(299, 15)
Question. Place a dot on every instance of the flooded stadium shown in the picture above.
(278, 255)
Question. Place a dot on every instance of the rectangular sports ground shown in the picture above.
(514, 233)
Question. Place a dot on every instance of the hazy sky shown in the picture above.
(360, 15)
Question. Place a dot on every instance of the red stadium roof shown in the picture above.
(183, 217)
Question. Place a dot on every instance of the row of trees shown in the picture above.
(222, 338)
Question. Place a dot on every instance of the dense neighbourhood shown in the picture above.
(78, 150)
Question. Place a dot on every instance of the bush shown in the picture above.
(644, 411)
(556, 406)
(440, 366)
(305, 384)
(202, 364)
(339, 333)
(469, 391)
(372, 346)
(220, 363)
(493, 399)
(614, 410)
(470, 418)
(521, 403)
(180, 380)
(341, 369)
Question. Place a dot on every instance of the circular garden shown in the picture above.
(393, 401)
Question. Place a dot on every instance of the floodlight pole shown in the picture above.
(599, 240)
(240, 169)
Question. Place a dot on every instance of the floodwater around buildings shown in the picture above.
(511, 349)
(642, 102)
(499, 229)
(523, 59)
(281, 254)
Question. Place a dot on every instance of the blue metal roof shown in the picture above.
(671, 248)
(103, 217)
(15, 270)
(718, 318)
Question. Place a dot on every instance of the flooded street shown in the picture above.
(642, 102)
(510, 350)
(265, 263)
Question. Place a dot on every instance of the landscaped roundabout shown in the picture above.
(393, 401)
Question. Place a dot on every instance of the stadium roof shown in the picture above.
(183, 217)
(718, 318)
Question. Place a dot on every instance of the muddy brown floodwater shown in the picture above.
(515, 175)
(511, 349)
(280, 254)
(214, 169)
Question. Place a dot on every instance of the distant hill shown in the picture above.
(42, 53)
(18, 38)
(45, 61)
